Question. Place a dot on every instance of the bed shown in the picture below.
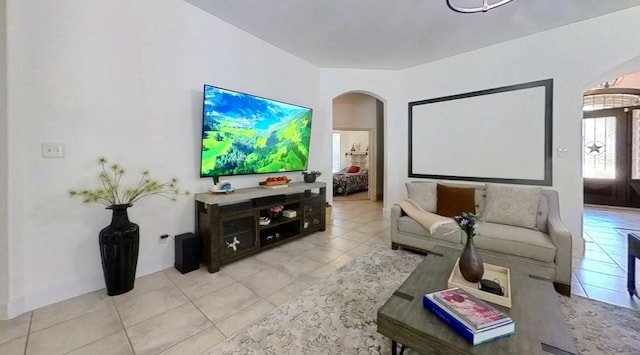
(345, 183)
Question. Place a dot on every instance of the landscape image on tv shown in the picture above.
(246, 134)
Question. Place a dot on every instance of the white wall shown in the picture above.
(575, 56)
(349, 139)
(120, 78)
(4, 154)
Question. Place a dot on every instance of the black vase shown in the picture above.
(119, 244)
(309, 178)
(470, 264)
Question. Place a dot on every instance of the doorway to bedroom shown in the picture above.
(357, 147)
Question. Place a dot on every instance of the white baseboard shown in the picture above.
(15, 307)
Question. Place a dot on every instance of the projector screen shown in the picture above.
(497, 135)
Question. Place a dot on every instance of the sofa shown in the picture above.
(540, 239)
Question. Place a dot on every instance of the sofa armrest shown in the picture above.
(561, 238)
(396, 212)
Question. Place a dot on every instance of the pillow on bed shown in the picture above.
(353, 169)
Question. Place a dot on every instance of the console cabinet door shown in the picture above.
(237, 235)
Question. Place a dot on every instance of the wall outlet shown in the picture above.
(52, 150)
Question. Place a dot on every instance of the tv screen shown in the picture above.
(246, 134)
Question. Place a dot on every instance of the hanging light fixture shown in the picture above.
(607, 84)
(486, 6)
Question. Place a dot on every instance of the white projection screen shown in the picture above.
(496, 135)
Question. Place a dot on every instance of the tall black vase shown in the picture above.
(119, 244)
(470, 263)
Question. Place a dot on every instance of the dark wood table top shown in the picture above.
(540, 324)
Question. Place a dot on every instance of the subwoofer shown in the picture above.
(188, 250)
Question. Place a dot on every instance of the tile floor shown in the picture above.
(171, 313)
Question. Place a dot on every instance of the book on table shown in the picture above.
(473, 310)
(493, 327)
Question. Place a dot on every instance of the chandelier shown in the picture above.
(607, 84)
(486, 6)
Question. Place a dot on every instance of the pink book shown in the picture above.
(476, 312)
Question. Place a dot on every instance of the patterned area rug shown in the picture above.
(337, 315)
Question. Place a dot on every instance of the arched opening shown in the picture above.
(611, 185)
(358, 146)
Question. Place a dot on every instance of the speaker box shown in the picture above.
(188, 250)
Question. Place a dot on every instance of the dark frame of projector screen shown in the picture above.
(546, 180)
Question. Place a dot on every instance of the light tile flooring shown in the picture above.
(601, 272)
(171, 313)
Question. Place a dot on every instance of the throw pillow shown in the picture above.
(353, 169)
(424, 193)
(452, 201)
(512, 205)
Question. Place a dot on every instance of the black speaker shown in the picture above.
(188, 249)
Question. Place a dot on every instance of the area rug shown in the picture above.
(338, 315)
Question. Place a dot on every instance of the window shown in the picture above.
(335, 152)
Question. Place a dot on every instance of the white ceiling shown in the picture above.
(387, 34)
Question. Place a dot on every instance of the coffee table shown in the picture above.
(540, 324)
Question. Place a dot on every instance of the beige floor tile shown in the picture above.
(150, 304)
(221, 304)
(14, 328)
(190, 278)
(161, 332)
(341, 261)
(243, 268)
(359, 250)
(197, 343)
(337, 231)
(116, 344)
(371, 228)
(214, 282)
(75, 333)
(14, 347)
(145, 284)
(69, 309)
(323, 254)
(267, 281)
(297, 247)
(299, 265)
(320, 238)
(286, 293)
(357, 236)
(342, 244)
(347, 224)
(274, 256)
(245, 317)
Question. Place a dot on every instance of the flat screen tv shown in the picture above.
(246, 134)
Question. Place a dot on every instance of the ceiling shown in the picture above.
(387, 34)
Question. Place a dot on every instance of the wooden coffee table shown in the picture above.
(540, 324)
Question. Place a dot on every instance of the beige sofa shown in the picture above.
(546, 247)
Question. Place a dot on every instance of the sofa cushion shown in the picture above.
(424, 193)
(448, 232)
(452, 201)
(512, 205)
(543, 214)
(513, 240)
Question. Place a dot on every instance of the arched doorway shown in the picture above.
(611, 146)
(358, 142)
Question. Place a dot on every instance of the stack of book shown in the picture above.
(474, 319)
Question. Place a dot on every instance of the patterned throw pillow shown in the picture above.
(424, 193)
(512, 205)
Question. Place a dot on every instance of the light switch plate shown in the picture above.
(563, 152)
(52, 150)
